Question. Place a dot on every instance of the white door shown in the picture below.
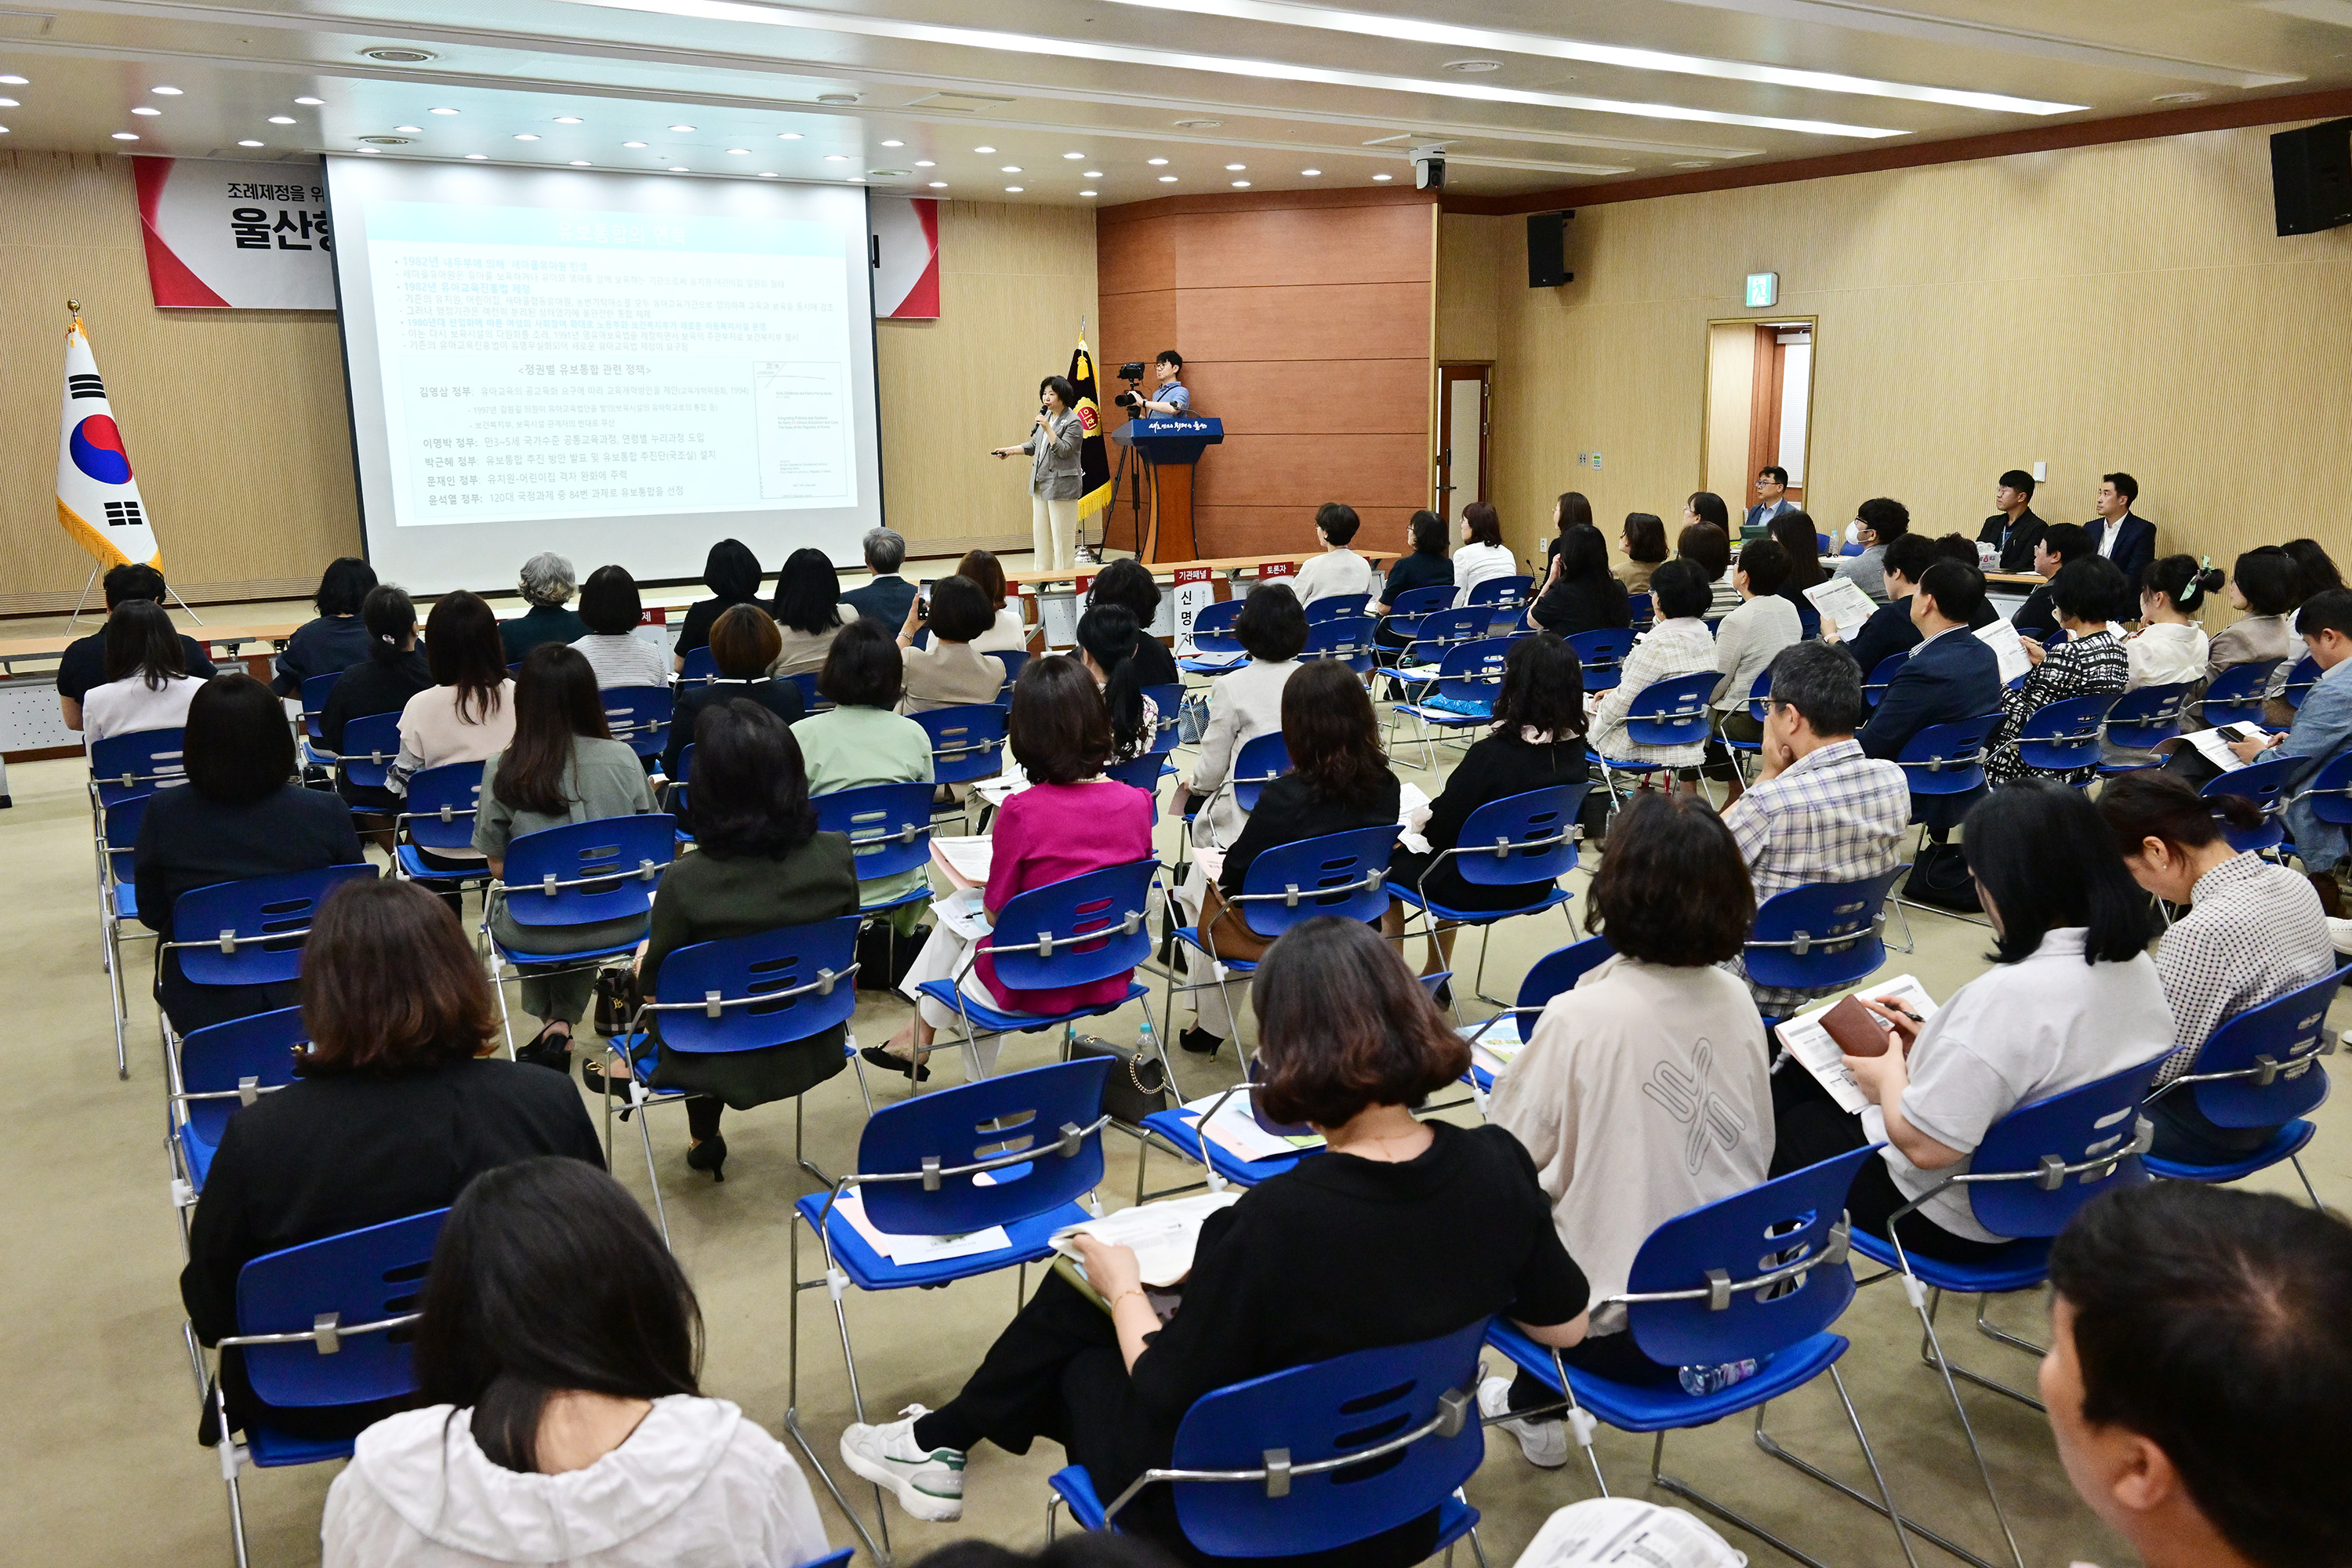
(1465, 415)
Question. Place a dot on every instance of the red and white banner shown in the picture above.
(907, 255)
(236, 237)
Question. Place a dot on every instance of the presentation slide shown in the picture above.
(617, 367)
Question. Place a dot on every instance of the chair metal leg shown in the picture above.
(2296, 1161)
(1053, 1514)
(1684, 1490)
(1477, 1547)
(1912, 1288)
(1994, 1332)
(653, 1177)
(1881, 1505)
(877, 1540)
(1931, 1351)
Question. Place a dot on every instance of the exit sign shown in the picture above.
(1763, 290)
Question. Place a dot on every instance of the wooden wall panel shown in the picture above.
(1314, 321)
(1473, 269)
(1290, 531)
(1307, 470)
(1298, 246)
(1296, 397)
(1135, 258)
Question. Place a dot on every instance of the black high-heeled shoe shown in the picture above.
(711, 1155)
(548, 1049)
(905, 1066)
(1200, 1043)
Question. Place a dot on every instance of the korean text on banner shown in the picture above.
(235, 236)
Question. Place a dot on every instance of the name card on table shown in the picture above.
(1196, 589)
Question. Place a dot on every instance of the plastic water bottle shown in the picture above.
(1701, 1381)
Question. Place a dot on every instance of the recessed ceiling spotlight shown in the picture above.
(525, 136)
(1156, 162)
(440, 111)
(248, 143)
(1384, 176)
(983, 148)
(567, 119)
(1010, 169)
(20, 81)
(2179, 97)
(125, 136)
(767, 173)
(1167, 179)
(1198, 124)
(739, 152)
(478, 157)
(855, 180)
(580, 164)
(309, 102)
(394, 55)
(1474, 67)
(637, 145)
(925, 163)
(889, 173)
(1235, 168)
(411, 130)
(681, 127)
(372, 152)
(939, 184)
(380, 142)
(677, 169)
(788, 135)
(893, 144)
(1013, 190)
(836, 157)
(1075, 157)
(1310, 174)
(158, 92)
(1088, 193)
(281, 119)
(1240, 185)
(142, 109)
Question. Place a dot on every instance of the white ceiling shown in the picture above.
(1130, 98)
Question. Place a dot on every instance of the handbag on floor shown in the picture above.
(1137, 1085)
(1940, 880)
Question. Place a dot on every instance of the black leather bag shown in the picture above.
(1137, 1085)
(1940, 879)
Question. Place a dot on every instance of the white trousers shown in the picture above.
(942, 955)
(1054, 533)
(1208, 1009)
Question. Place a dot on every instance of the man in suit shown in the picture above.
(2013, 528)
(1892, 631)
(2117, 533)
(1950, 676)
(1771, 498)
(887, 597)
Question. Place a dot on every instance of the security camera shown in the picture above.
(1429, 167)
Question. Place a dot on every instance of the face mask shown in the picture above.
(1853, 532)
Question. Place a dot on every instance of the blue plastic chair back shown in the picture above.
(811, 701)
(2291, 1031)
(2075, 1125)
(314, 698)
(832, 1559)
(2258, 783)
(140, 763)
(1820, 544)
(1601, 654)
(1012, 659)
(216, 1060)
(1407, 610)
(889, 826)
(1947, 759)
(639, 716)
(2235, 696)
(1302, 868)
(1140, 772)
(2142, 718)
(1321, 1411)
(1261, 760)
(967, 742)
(1559, 970)
(1850, 548)
(122, 818)
(625, 856)
(1808, 618)
(1347, 638)
(360, 1277)
(1170, 700)
(1212, 627)
(1643, 608)
(1883, 676)
(1337, 607)
(1084, 915)
(268, 917)
(716, 973)
(2330, 790)
(1472, 672)
(1833, 929)
(371, 745)
(1443, 629)
(1505, 592)
(977, 1122)
(1749, 1234)
(1673, 713)
(1759, 703)
(2300, 679)
(2063, 735)
(441, 805)
(701, 668)
(1507, 836)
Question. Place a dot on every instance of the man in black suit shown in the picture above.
(2119, 534)
(1950, 676)
(2014, 527)
(889, 595)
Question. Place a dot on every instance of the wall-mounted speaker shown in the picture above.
(1548, 250)
(2311, 177)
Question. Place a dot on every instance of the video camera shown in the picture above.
(1130, 373)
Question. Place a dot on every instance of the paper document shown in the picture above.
(1812, 1046)
(2214, 745)
(1498, 1044)
(1628, 1533)
(1162, 1235)
(909, 1250)
(1843, 605)
(962, 913)
(1412, 815)
(2006, 646)
(965, 861)
(1004, 785)
(1237, 1131)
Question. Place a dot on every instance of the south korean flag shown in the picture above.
(97, 499)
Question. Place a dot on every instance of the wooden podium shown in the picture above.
(1168, 451)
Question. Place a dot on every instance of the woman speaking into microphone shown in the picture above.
(1054, 479)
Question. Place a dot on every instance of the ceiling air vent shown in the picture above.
(387, 140)
(836, 98)
(399, 55)
(961, 102)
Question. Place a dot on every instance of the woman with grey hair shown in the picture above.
(548, 584)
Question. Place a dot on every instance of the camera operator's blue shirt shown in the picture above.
(1179, 401)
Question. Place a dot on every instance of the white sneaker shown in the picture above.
(2340, 933)
(1545, 1443)
(929, 1482)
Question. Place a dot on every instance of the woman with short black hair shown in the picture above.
(334, 641)
(2262, 589)
(2089, 663)
(1338, 571)
(558, 1360)
(1584, 596)
(1427, 566)
(951, 672)
(393, 672)
(732, 575)
(1643, 537)
(1057, 477)
(808, 612)
(1129, 582)
(147, 684)
(743, 643)
(1746, 642)
(612, 608)
(1677, 646)
(239, 815)
(1243, 704)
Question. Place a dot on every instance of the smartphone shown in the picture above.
(923, 600)
(2233, 733)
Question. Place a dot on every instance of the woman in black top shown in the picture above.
(1796, 534)
(1583, 596)
(743, 643)
(239, 815)
(1427, 567)
(732, 573)
(1573, 510)
(395, 1107)
(336, 640)
(1402, 1231)
(1537, 741)
(1129, 582)
(393, 672)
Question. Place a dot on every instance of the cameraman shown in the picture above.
(1169, 398)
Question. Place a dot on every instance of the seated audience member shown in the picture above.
(732, 575)
(1747, 640)
(611, 606)
(1106, 639)
(1709, 546)
(2118, 533)
(1243, 704)
(1771, 497)
(147, 686)
(1614, 1155)
(1877, 523)
(1949, 677)
(563, 766)
(559, 1359)
(806, 612)
(1338, 570)
(548, 584)
(1128, 582)
(1798, 534)
(398, 1100)
(886, 597)
(1537, 741)
(1404, 1230)
(2200, 1340)
(1890, 629)
(2171, 647)
(1678, 645)
(239, 815)
(1707, 507)
(950, 673)
(467, 714)
(2253, 931)
(2089, 663)
(1643, 538)
(382, 682)
(2314, 570)
(335, 640)
(1573, 510)
(2262, 589)
(2012, 526)
(2061, 544)
(1338, 780)
(1427, 566)
(83, 663)
(1584, 595)
(1482, 553)
(2072, 999)
(1820, 810)
(1069, 820)
(1955, 547)
(863, 740)
(1009, 634)
(743, 643)
(758, 864)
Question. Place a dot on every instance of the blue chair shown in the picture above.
(736, 993)
(1883, 676)
(2141, 719)
(1643, 607)
(2300, 679)
(442, 802)
(1170, 702)
(1142, 773)
(315, 689)
(1671, 712)
(889, 830)
(1600, 655)
(1406, 610)
(369, 746)
(1820, 544)
(1759, 706)
(1850, 548)
(140, 763)
(2063, 736)
(639, 716)
(967, 742)
(1504, 598)
(250, 932)
(1261, 760)
(2330, 792)
(581, 874)
(216, 1072)
(1337, 607)
(1554, 973)
(1084, 929)
(702, 669)
(1761, 1275)
(2259, 784)
(1035, 1135)
(1315, 1458)
(1439, 632)
(1809, 619)
(321, 1325)
(1179, 1130)
(2261, 1069)
(116, 823)
(1821, 937)
(1215, 648)
(2235, 696)
(1012, 659)
(811, 700)
(1518, 839)
(1946, 759)
(678, 799)
(1469, 674)
(1347, 638)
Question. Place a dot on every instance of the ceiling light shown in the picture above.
(925, 163)
(525, 136)
(638, 144)
(1310, 174)
(580, 164)
(281, 119)
(142, 109)
(158, 92)
(767, 173)
(440, 111)
(1088, 192)
(1075, 157)
(739, 152)
(248, 143)
(939, 184)
(677, 169)
(1167, 179)
(1013, 190)
(1010, 169)
(788, 135)
(852, 179)
(1156, 162)
(681, 127)
(310, 102)
(477, 157)
(20, 81)
(893, 144)
(1240, 185)
(373, 151)
(1235, 168)
(1091, 173)
(836, 98)
(889, 173)
(395, 55)
(567, 119)
(412, 130)
(1384, 176)
(983, 148)
(1474, 67)
(380, 142)
(836, 157)
(125, 136)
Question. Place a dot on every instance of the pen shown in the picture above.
(1898, 1009)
